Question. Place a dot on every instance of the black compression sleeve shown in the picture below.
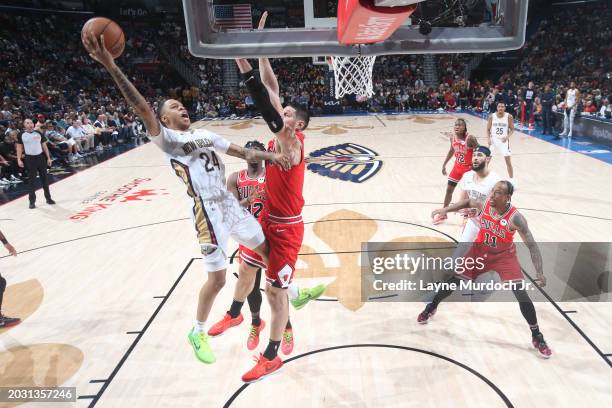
(260, 96)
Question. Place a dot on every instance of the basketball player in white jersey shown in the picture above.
(476, 184)
(193, 156)
(571, 104)
(500, 127)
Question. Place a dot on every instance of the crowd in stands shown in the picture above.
(49, 77)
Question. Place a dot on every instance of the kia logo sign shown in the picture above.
(331, 103)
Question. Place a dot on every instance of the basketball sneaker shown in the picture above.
(439, 219)
(6, 321)
(305, 295)
(222, 325)
(199, 342)
(287, 342)
(540, 345)
(262, 369)
(253, 340)
(426, 314)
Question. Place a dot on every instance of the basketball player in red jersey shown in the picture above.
(494, 248)
(462, 147)
(282, 220)
(248, 186)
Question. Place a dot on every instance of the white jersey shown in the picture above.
(571, 97)
(499, 126)
(478, 191)
(194, 157)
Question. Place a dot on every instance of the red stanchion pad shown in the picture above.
(360, 22)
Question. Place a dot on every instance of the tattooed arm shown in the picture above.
(519, 223)
(97, 50)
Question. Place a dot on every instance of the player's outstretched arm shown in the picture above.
(266, 73)
(254, 154)
(261, 97)
(97, 50)
(519, 223)
(467, 203)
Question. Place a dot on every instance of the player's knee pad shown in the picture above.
(2, 284)
(260, 96)
(485, 283)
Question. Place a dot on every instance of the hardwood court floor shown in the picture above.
(94, 271)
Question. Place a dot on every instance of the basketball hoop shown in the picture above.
(361, 22)
(353, 75)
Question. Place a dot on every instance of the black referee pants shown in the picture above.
(34, 165)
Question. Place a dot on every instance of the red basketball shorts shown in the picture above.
(284, 241)
(457, 172)
(251, 257)
(505, 263)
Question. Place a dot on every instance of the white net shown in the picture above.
(353, 75)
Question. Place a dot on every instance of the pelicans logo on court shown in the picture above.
(346, 162)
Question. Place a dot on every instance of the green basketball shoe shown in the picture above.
(305, 295)
(199, 342)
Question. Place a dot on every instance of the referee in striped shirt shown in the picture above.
(37, 158)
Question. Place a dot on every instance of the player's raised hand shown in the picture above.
(97, 49)
(262, 20)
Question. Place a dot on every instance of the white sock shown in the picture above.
(199, 326)
(293, 291)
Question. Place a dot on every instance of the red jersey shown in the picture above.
(284, 200)
(463, 153)
(246, 186)
(495, 232)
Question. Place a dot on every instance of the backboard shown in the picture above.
(306, 28)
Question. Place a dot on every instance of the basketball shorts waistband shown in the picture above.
(296, 219)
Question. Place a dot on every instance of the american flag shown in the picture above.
(234, 16)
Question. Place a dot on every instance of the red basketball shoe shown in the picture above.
(227, 322)
(262, 369)
(253, 340)
(426, 314)
(540, 345)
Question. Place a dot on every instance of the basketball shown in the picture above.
(114, 39)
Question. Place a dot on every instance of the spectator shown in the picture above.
(547, 99)
(89, 133)
(77, 133)
(590, 107)
(605, 110)
(8, 150)
(104, 131)
(537, 111)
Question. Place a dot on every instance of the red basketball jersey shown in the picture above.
(463, 153)
(495, 231)
(284, 200)
(246, 186)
